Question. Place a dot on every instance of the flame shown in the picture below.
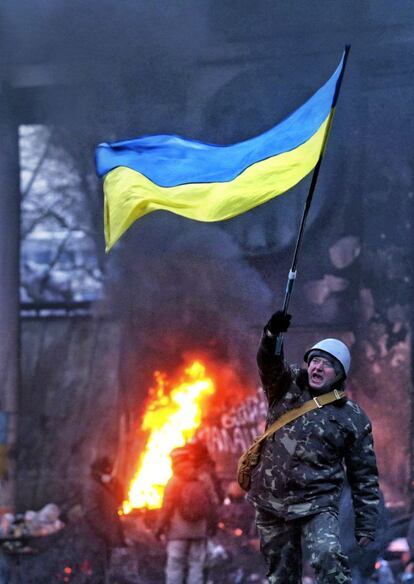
(171, 418)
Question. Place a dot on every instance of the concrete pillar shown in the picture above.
(9, 295)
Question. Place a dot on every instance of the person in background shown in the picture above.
(103, 497)
(187, 519)
(206, 467)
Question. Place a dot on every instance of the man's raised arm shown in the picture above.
(274, 373)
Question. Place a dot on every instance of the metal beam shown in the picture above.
(9, 295)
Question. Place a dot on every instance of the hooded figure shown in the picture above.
(103, 497)
(297, 484)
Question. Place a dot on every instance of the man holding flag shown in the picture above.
(296, 486)
(208, 182)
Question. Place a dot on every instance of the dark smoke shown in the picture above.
(185, 287)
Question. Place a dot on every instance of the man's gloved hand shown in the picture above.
(364, 541)
(278, 323)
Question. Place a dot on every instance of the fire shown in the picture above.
(172, 417)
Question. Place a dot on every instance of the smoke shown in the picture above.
(185, 287)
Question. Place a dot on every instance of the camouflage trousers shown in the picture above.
(281, 545)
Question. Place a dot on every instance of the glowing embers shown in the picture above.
(172, 416)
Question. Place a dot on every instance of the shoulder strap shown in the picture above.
(312, 404)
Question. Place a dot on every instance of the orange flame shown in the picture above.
(172, 418)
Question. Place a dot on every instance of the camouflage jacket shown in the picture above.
(302, 466)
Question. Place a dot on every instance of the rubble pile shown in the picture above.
(31, 524)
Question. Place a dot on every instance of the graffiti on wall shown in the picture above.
(233, 431)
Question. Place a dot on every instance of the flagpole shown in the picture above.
(293, 270)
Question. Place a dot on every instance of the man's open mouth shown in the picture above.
(317, 377)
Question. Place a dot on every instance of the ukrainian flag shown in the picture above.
(208, 182)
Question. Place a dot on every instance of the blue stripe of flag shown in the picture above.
(170, 160)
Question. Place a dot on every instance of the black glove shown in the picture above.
(278, 323)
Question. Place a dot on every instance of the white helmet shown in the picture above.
(336, 349)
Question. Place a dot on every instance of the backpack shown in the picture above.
(194, 502)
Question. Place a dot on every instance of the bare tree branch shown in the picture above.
(38, 166)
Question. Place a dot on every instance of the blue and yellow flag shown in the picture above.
(208, 182)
